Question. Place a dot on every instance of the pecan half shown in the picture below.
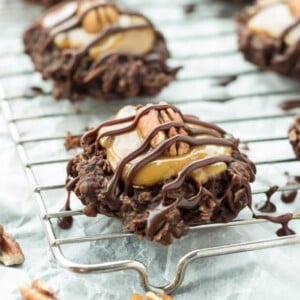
(96, 19)
(37, 291)
(156, 117)
(10, 251)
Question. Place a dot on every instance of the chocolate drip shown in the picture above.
(283, 220)
(290, 196)
(290, 104)
(268, 206)
(67, 221)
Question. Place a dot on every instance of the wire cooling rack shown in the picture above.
(197, 40)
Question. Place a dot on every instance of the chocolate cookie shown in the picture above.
(294, 136)
(269, 35)
(99, 49)
(160, 171)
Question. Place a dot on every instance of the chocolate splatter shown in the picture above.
(268, 206)
(71, 142)
(224, 81)
(283, 220)
(290, 196)
(32, 91)
(189, 8)
(289, 104)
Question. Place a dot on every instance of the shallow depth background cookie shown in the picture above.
(269, 34)
(160, 171)
(91, 48)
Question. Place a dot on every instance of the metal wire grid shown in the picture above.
(56, 243)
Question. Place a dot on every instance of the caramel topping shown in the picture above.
(166, 166)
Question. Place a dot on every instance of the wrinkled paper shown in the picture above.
(264, 274)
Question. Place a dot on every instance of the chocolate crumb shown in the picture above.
(224, 81)
(189, 8)
(71, 142)
(32, 91)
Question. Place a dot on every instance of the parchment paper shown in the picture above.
(267, 274)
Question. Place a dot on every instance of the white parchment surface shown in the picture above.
(197, 41)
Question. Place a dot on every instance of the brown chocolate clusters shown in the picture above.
(269, 36)
(97, 48)
(294, 136)
(160, 171)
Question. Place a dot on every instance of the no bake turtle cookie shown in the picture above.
(160, 171)
(269, 35)
(98, 48)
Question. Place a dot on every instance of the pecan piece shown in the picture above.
(156, 117)
(96, 19)
(10, 251)
(37, 291)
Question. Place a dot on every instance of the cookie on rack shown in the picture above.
(98, 48)
(269, 35)
(294, 136)
(160, 171)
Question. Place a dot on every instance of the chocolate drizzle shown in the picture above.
(268, 206)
